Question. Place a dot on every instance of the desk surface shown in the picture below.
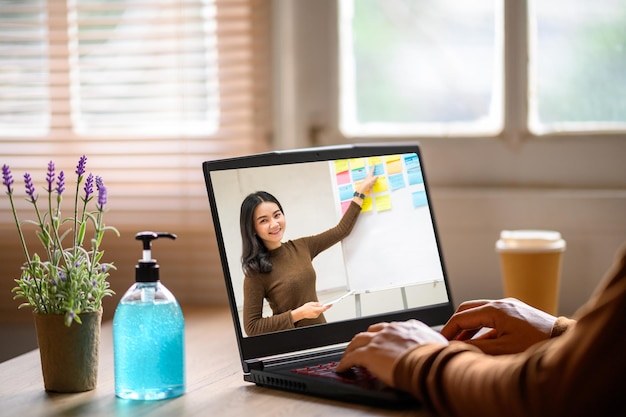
(214, 380)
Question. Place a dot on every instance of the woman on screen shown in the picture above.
(282, 272)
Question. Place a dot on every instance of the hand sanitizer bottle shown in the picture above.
(148, 334)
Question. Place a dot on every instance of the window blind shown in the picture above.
(147, 90)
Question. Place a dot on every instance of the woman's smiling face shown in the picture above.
(269, 224)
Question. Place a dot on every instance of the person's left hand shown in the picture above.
(512, 326)
(382, 344)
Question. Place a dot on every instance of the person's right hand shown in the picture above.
(368, 182)
(310, 310)
(510, 325)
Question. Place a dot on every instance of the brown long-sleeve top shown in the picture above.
(291, 282)
(579, 373)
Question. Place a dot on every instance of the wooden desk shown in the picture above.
(215, 385)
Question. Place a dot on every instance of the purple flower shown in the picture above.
(62, 276)
(102, 193)
(80, 168)
(50, 176)
(94, 283)
(30, 188)
(7, 178)
(60, 183)
(88, 186)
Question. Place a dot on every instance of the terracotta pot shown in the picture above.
(69, 355)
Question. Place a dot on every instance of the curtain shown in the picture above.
(147, 90)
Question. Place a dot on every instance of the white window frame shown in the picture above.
(306, 112)
(571, 182)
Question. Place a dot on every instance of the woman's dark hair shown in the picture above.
(255, 257)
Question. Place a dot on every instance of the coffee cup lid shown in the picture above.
(530, 241)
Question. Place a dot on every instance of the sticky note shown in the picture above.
(396, 181)
(357, 163)
(358, 174)
(341, 165)
(343, 177)
(346, 192)
(411, 161)
(380, 185)
(383, 203)
(375, 160)
(394, 167)
(345, 205)
(415, 176)
(419, 198)
(367, 204)
(379, 169)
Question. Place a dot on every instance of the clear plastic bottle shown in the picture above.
(148, 335)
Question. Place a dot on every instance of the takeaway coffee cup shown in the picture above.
(530, 262)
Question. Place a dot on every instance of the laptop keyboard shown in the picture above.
(355, 375)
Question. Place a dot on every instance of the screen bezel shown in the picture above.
(311, 337)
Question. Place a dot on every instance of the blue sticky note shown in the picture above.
(411, 161)
(415, 176)
(358, 174)
(396, 181)
(419, 198)
(346, 192)
(379, 169)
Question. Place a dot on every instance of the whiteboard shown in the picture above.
(393, 243)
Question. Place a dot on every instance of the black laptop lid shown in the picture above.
(390, 265)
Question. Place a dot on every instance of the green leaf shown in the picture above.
(81, 233)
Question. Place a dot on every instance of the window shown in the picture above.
(434, 67)
(147, 90)
(123, 67)
(578, 56)
(421, 66)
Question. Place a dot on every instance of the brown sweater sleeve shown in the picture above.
(578, 373)
(325, 240)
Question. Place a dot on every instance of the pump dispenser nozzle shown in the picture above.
(147, 269)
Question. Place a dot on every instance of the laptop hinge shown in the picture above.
(262, 363)
(254, 364)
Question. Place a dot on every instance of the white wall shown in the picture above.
(592, 223)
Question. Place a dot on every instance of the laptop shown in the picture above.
(389, 268)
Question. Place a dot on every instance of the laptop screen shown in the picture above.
(389, 267)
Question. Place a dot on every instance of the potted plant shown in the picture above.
(66, 281)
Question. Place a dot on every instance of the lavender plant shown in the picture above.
(67, 278)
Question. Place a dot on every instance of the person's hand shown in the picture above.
(310, 310)
(510, 326)
(368, 182)
(382, 344)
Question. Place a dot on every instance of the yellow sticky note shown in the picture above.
(367, 204)
(375, 160)
(356, 163)
(341, 165)
(383, 203)
(381, 185)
